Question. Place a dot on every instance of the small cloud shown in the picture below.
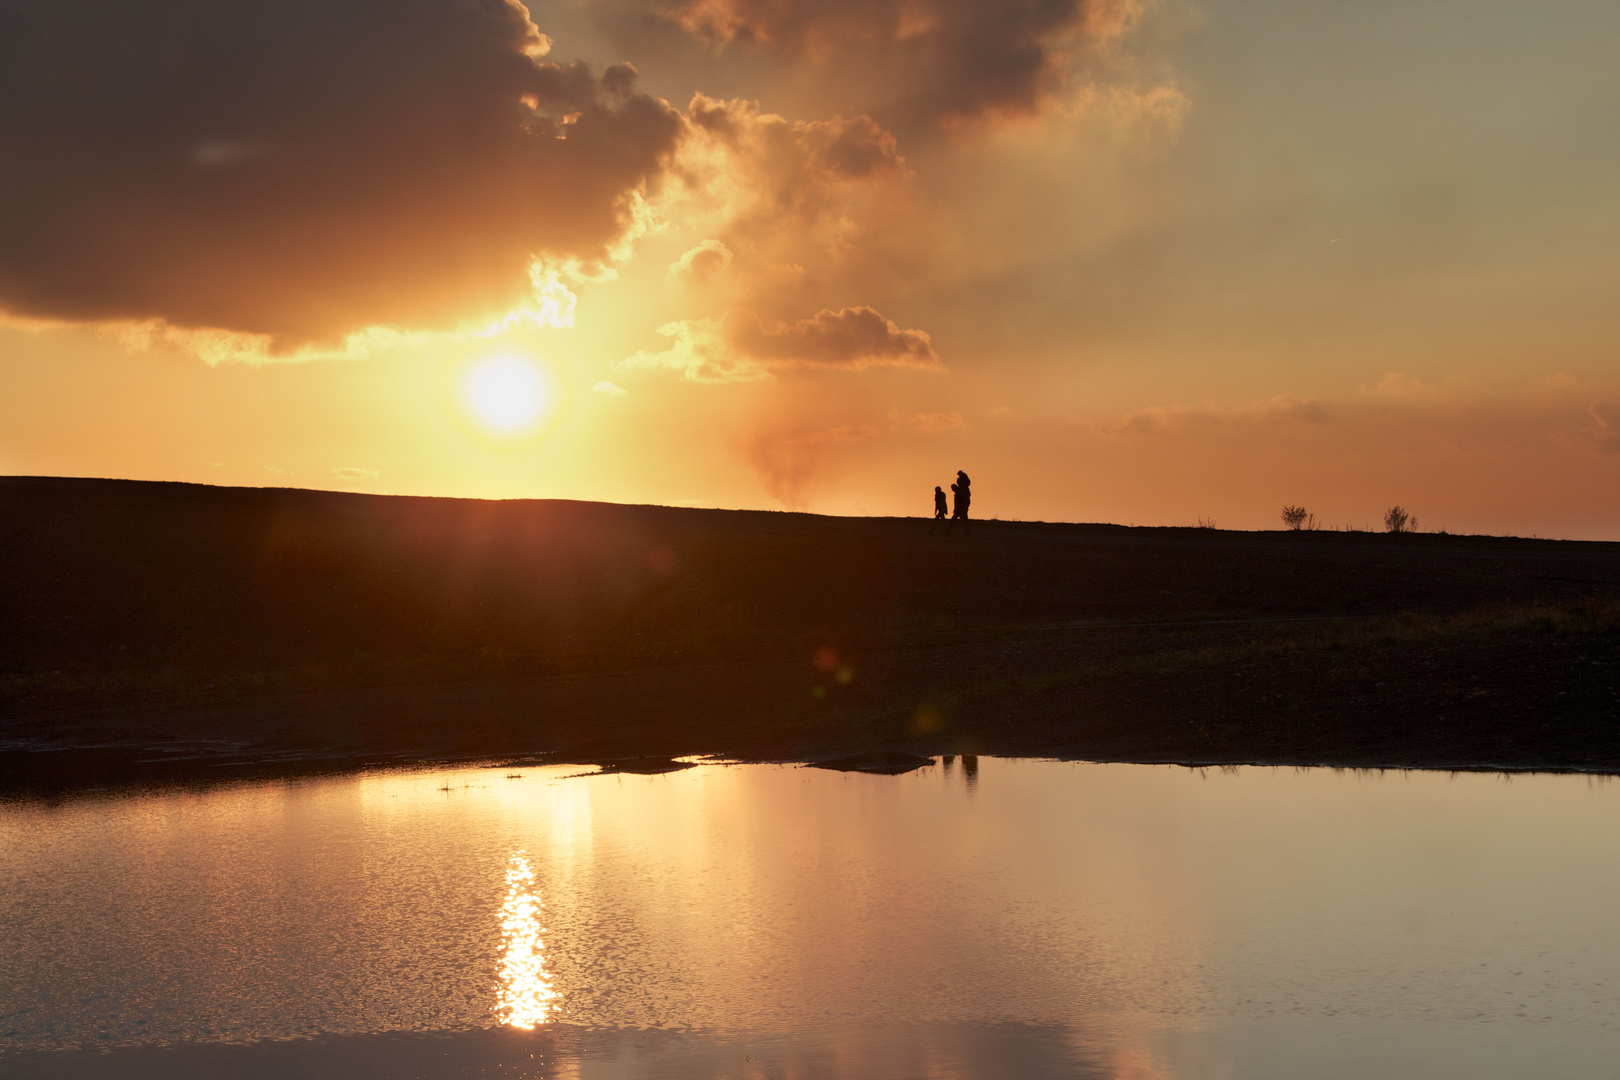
(1604, 433)
(224, 153)
(351, 473)
(1176, 418)
(927, 421)
(1407, 388)
(740, 348)
(1001, 410)
(701, 264)
(1134, 115)
(1288, 407)
(610, 389)
(278, 470)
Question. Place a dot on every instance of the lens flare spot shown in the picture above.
(507, 393)
(526, 994)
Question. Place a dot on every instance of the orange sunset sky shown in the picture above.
(1127, 261)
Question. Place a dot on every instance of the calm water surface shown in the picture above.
(1035, 919)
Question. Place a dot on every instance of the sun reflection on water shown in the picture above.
(526, 993)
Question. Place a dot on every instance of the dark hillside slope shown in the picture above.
(121, 600)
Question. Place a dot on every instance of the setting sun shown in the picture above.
(507, 393)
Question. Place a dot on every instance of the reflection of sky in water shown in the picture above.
(1104, 920)
(526, 995)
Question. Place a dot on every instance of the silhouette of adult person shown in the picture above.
(939, 508)
(962, 492)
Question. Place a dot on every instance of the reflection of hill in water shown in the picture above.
(184, 613)
(1025, 1051)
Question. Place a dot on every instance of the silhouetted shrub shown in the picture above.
(1295, 517)
(1397, 520)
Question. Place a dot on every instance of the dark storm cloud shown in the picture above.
(303, 168)
(944, 59)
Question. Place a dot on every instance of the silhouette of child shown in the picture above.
(939, 504)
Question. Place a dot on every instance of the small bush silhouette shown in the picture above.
(1296, 518)
(1397, 520)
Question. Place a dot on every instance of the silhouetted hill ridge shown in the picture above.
(128, 599)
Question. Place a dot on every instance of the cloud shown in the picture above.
(1176, 418)
(854, 337)
(610, 389)
(1605, 430)
(1133, 114)
(1407, 388)
(761, 172)
(224, 153)
(800, 157)
(942, 60)
(740, 348)
(698, 265)
(801, 215)
(926, 422)
(303, 170)
(351, 473)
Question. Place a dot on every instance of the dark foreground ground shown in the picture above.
(170, 632)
